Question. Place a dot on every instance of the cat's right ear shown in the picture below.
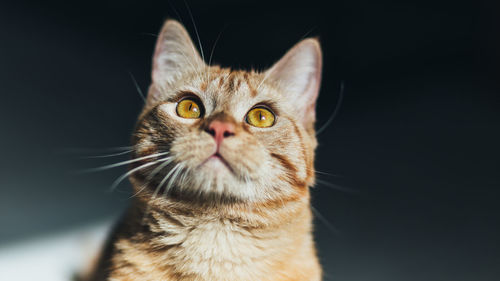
(174, 54)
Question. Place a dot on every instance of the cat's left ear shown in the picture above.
(299, 74)
(175, 54)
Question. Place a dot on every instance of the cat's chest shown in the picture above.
(219, 248)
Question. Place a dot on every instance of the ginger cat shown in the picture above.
(223, 162)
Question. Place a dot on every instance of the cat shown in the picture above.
(223, 163)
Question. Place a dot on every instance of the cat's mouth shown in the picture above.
(217, 159)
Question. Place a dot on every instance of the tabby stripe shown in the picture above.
(292, 176)
(238, 84)
(309, 170)
(203, 86)
(230, 82)
(285, 162)
(253, 91)
(221, 82)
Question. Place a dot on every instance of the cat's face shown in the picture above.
(223, 134)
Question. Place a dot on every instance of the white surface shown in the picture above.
(54, 258)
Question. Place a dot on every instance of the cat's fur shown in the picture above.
(245, 218)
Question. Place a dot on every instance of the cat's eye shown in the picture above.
(261, 117)
(189, 108)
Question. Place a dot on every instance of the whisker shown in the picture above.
(195, 30)
(194, 67)
(106, 167)
(198, 72)
(308, 32)
(328, 224)
(172, 179)
(212, 53)
(327, 174)
(108, 155)
(167, 160)
(124, 176)
(165, 178)
(264, 79)
(155, 194)
(93, 150)
(335, 111)
(137, 86)
(336, 186)
(185, 174)
(197, 37)
(323, 173)
(176, 12)
(139, 191)
(150, 34)
(213, 47)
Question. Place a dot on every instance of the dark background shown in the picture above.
(416, 140)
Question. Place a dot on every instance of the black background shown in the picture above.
(415, 144)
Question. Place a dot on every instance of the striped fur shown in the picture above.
(246, 219)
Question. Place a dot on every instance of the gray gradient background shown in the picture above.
(416, 140)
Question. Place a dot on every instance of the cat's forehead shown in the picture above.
(233, 90)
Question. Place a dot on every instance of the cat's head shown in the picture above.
(213, 133)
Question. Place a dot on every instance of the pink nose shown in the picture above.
(220, 130)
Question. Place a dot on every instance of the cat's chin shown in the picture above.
(217, 163)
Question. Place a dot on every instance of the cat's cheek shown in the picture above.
(268, 137)
(192, 151)
(145, 146)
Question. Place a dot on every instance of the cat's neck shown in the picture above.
(260, 215)
(238, 241)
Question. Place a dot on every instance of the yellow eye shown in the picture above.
(188, 108)
(260, 117)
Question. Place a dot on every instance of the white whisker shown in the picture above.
(185, 174)
(165, 178)
(336, 186)
(213, 48)
(106, 167)
(73, 150)
(323, 173)
(172, 179)
(139, 191)
(268, 73)
(335, 111)
(212, 53)
(167, 160)
(195, 30)
(193, 66)
(108, 155)
(137, 87)
(121, 178)
(197, 37)
(155, 194)
(328, 224)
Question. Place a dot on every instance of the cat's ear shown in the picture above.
(174, 54)
(298, 73)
